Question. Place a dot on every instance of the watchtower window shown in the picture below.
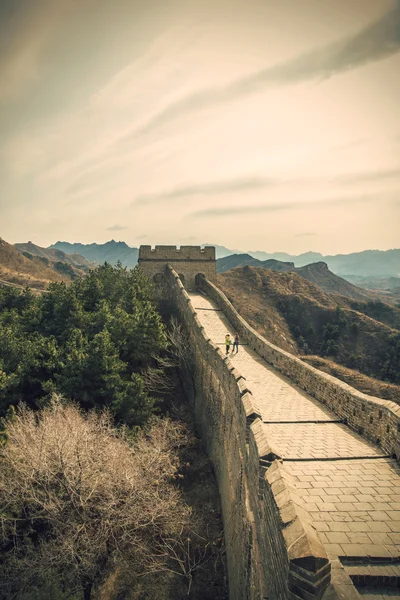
(159, 278)
(198, 278)
(182, 278)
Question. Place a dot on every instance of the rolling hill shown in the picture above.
(21, 268)
(317, 273)
(300, 317)
(55, 255)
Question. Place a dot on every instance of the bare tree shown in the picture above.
(76, 494)
(179, 355)
(180, 348)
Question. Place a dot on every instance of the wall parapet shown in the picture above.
(376, 419)
(177, 253)
(272, 549)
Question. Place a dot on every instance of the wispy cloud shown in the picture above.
(306, 234)
(370, 177)
(205, 189)
(27, 28)
(249, 209)
(116, 228)
(378, 40)
(250, 183)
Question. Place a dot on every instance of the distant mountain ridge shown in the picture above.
(368, 263)
(240, 260)
(317, 273)
(111, 252)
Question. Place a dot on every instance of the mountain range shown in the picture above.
(370, 269)
(111, 252)
(369, 263)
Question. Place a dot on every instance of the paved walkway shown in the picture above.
(350, 488)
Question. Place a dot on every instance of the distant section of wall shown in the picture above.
(188, 261)
(376, 419)
(272, 549)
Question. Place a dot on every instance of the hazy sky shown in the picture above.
(257, 124)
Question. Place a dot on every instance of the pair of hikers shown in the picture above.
(228, 343)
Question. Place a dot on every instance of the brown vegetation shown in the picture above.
(79, 496)
(87, 508)
(31, 270)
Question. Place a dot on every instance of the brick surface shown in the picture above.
(322, 440)
(369, 530)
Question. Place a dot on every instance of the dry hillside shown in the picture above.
(301, 318)
(317, 273)
(32, 271)
(54, 255)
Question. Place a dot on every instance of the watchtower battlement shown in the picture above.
(188, 261)
(177, 253)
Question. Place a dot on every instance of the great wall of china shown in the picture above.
(307, 467)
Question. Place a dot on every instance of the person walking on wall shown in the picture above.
(228, 343)
(235, 343)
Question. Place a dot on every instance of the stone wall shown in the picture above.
(272, 549)
(376, 419)
(188, 261)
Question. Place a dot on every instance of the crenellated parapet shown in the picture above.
(179, 253)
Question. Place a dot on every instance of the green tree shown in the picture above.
(90, 340)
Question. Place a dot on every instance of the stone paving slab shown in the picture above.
(354, 504)
(374, 570)
(372, 594)
(321, 440)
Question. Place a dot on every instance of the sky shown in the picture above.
(257, 124)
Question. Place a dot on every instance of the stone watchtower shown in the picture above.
(188, 262)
